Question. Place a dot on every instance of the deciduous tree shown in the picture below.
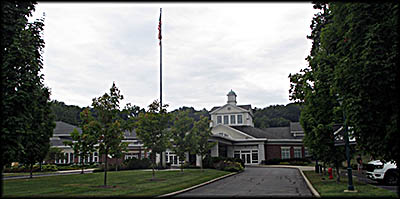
(198, 138)
(151, 129)
(108, 128)
(183, 124)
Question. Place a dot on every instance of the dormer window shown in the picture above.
(226, 119)
(240, 119)
(233, 119)
(219, 119)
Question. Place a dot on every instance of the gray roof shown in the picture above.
(269, 133)
(295, 126)
(246, 107)
(64, 128)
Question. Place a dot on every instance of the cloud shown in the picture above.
(208, 49)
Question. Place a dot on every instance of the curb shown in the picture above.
(312, 189)
(196, 186)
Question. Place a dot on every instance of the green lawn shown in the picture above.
(127, 183)
(329, 187)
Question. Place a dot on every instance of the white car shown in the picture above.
(387, 173)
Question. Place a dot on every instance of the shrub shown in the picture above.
(49, 167)
(223, 163)
(134, 163)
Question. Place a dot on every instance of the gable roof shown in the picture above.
(246, 107)
(269, 133)
(295, 126)
(63, 128)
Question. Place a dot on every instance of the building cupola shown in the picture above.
(232, 97)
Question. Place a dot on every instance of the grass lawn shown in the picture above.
(125, 183)
(329, 187)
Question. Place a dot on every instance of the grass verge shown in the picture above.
(27, 173)
(329, 188)
(122, 183)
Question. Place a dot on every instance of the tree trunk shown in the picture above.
(201, 163)
(324, 169)
(337, 173)
(83, 164)
(105, 169)
(31, 171)
(40, 165)
(154, 163)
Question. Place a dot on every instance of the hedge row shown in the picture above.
(292, 161)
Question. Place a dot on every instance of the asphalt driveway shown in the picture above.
(255, 181)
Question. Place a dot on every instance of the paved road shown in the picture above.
(255, 181)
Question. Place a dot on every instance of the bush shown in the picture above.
(292, 161)
(134, 163)
(49, 167)
(223, 163)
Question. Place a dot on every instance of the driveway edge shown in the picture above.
(196, 186)
(312, 189)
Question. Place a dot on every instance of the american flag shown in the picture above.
(159, 29)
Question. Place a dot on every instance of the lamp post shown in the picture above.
(347, 145)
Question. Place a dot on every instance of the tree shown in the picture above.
(83, 144)
(313, 89)
(198, 139)
(355, 53)
(53, 154)
(366, 72)
(26, 122)
(108, 124)
(151, 129)
(180, 130)
(66, 113)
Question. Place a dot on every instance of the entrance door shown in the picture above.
(246, 156)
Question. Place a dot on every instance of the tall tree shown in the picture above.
(183, 124)
(357, 51)
(312, 87)
(151, 129)
(84, 144)
(198, 139)
(109, 129)
(366, 72)
(27, 123)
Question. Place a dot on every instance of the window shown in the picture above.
(285, 152)
(254, 156)
(236, 154)
(226, 118)
(71, 157)
(233, 119)
(96, 158)
(219, 119)
(297, 152)
(240, 119)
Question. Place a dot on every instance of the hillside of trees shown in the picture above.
(271, 116)
(276, 115)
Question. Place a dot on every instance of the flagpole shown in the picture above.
(160, 64)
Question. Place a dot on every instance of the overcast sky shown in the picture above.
(208, 49)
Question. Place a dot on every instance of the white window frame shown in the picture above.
(285, 153)
(219, 119)
(241, 119)
(297, 152)
(227, 119)
(234, 119)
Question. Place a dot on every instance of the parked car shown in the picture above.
(387, 173)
